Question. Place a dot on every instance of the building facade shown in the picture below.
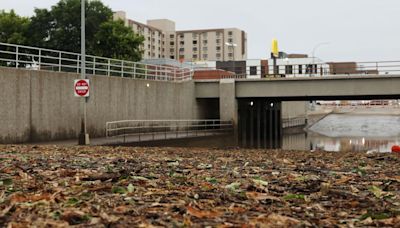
(163, 41)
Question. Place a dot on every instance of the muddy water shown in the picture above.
(335, 132)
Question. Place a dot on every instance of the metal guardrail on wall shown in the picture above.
(294, 122)
(336, 69)
(166, 129)
(25, 57)
(304, 69)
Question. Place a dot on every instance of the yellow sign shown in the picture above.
(275, 49)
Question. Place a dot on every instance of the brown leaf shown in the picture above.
(202, 214)
(74, 217)
(343, 180)
(109, 218)
(276, 220)
(19, 198)
(262, 196)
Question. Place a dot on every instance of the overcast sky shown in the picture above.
(359, 30)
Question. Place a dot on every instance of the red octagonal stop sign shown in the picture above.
(81, 87)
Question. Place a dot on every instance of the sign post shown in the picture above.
(83, 87)
(275, 55)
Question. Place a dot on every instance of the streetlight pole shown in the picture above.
(313, 55)
(83, 136)
(232, 45)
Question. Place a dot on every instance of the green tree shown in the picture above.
(115, 40)
(60, 28)
(13, 28)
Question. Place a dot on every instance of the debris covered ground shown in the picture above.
(58, 186)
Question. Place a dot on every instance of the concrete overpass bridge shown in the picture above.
(304, 88)
(255, 106)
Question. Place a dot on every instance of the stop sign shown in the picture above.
(81, 87)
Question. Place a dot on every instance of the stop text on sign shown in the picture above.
(81, 87)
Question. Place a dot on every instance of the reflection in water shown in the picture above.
(352, 144)
(357, 133)
(301, 140)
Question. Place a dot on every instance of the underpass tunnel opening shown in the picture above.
(260, 123)
(208, 108)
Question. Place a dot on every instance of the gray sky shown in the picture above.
(359, 30)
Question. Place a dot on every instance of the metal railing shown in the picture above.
(18, 56)
(294, 122)
(145, 130)
(304, 70)
(336, 69)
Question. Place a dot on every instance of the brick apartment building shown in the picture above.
(163, 41)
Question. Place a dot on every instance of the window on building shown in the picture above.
(230, 54)
(194, 35)
(172, 36)
(181, 57)
(153, 40)
(253, 70)
(182, 36)
(205, 42)
(276, 69)
(218, 55)
(230, 40)
(172, 57)
(230, 33)
(195, 49)
(205, 35)
(163, 43)
(218, 48)
(218, 34)
(218, 41)
(205, 56)
(308, 69)
(195, 42)
(148, 38)
(300, 69)
(205, 48)
(172, 43)
(288, 69)
(182, 43)
(172, 50)
(148, 46)
(148, 53)
(181, 49)
(159, 56)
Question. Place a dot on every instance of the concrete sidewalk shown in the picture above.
(132, 139)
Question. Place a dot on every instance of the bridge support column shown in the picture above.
(228, 106)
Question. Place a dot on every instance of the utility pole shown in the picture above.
(83, 136)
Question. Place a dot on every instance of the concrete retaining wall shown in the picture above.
(40, 106)
(294, 109)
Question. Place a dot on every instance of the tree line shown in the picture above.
(60, 28)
